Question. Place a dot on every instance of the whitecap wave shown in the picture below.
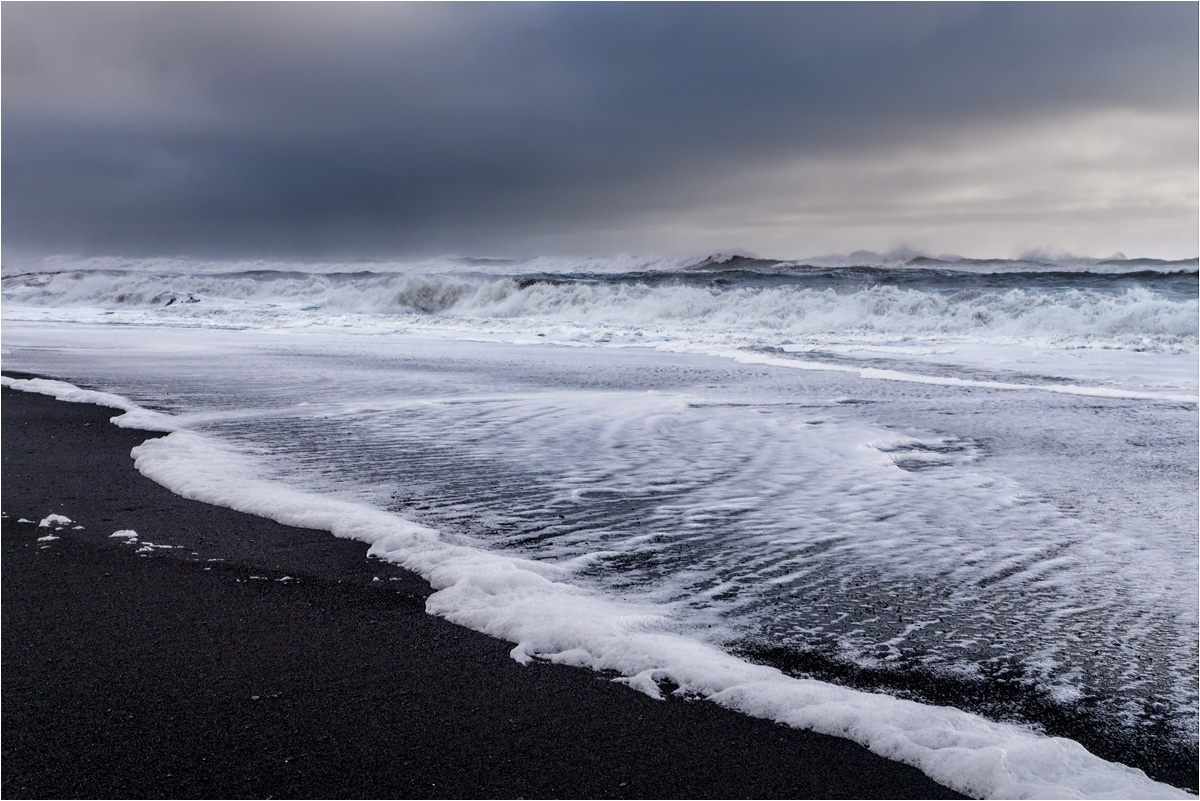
(731, 307)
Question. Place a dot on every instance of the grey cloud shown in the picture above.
(377, 128)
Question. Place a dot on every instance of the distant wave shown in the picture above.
(613, 265)
(1025, 264)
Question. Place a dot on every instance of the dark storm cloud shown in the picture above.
(320, 129)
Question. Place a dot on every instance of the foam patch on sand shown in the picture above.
(533, 605)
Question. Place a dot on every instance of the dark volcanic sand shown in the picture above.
(168, 675)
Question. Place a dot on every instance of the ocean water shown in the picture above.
(947, 508)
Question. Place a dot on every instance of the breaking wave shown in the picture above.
(765, 303)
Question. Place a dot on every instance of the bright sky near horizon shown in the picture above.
(331, 130)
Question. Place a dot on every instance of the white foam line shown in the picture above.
(748, 357)
(134, 416)
(531, 603)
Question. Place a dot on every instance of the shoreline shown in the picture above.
(163, 673)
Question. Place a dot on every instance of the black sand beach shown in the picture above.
(168, 674)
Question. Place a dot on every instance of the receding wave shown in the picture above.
(553, 608)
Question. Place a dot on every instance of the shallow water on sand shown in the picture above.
(1027, 555)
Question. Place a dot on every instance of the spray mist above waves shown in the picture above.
(1033, 262)
(1134, 303)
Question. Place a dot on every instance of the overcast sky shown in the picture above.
(788, 130)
